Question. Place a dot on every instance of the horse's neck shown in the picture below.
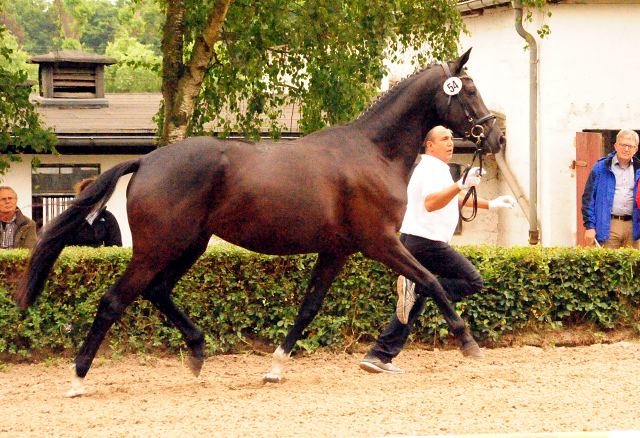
(399, 124)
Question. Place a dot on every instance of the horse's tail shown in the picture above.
(57, 232)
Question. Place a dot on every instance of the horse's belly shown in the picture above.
(274, 244)
(293, 237)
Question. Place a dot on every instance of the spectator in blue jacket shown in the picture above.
(610, 215)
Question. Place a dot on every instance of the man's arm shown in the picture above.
(31, 237)
(504, 201)
(437, 200)
(482, 203)
(588, 214)
(587, 195)
(637, 191)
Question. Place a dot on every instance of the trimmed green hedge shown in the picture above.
(243, 300)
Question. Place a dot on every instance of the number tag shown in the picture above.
(452, 86)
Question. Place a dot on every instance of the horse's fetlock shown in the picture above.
(82, 366)
(196, 344)
(458, 328)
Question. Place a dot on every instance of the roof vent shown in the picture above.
(69, 78)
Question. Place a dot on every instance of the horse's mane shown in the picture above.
(382, 98)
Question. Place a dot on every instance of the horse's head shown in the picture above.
(463, 110)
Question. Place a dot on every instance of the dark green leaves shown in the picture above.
(247, 301)
(325, 56)
(20, 128)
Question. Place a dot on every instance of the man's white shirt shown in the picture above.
(430, 175)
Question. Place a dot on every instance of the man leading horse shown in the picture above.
(427, 228)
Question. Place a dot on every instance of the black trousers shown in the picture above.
(455, 273)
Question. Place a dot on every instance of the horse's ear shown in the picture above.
(460, 62)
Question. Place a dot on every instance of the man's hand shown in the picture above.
(590, 237)
(505, 201)
(473, 179)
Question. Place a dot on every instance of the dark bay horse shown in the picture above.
(335, 192)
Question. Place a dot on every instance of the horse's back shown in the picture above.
(274, 197)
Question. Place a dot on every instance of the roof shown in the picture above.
(71, 56)
(126, 125)
(127, 113)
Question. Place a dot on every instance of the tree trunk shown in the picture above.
(69, 27)
(182, 82)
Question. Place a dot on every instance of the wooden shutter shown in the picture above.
(589, 149)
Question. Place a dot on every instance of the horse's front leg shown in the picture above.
(326, 269)
(394, 255)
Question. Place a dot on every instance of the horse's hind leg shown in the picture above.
(327, 267)
(159, 294)
(112, 304)
(394, 255)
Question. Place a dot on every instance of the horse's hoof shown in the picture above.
(271, 378)
(472, 350)
(76, 393)
(195, 365)
(77, 383)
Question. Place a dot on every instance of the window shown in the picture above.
(52, 187)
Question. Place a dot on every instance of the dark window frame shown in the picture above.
(49, 201)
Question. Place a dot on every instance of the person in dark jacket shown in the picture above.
(18, 231)
(100, 228)
(610, 215)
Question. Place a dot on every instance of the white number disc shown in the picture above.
(452, 86)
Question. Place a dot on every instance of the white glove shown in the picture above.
(473, 178)
(505, 201)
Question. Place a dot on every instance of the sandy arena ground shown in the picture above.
(514, 390)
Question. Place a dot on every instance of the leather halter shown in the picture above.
(477, 132)
(475, 123)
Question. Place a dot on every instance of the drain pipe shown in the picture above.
(513, 184)
(534, 233)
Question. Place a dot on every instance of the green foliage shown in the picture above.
(142, 20)
(20, 127)
(325, 57)
(241, 299)
(71, 44)
(543, 8)
(90, 24)
(101, 23)
(34, 24)
(18, 58)
(137, 70)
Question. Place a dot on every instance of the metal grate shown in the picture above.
(45, 208)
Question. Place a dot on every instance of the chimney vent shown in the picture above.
(69, 78)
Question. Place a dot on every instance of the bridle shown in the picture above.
(477, 133)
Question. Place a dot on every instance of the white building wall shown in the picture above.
(587, 80)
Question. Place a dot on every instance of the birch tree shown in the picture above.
(252, 57)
